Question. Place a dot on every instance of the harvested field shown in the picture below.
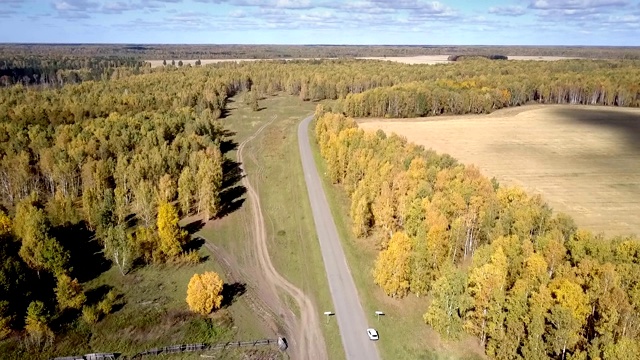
(584, 160)
(421, 59)
(443, 59)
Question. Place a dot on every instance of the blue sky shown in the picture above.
(454, 22)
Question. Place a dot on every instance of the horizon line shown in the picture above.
(317, 44)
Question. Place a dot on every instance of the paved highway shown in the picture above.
(348, 310)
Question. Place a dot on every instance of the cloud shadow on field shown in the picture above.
(626, 124)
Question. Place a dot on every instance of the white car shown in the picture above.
(373, 334)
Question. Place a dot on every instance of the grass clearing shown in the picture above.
(150, 312)
(403, 334)
(272, 162)
(583, 160)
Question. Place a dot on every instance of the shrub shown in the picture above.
(90, 314)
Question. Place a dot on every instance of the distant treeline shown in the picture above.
(193, 52)
(59, 69)
(364, 88)
(482, 86)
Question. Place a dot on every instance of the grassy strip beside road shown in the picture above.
(403, 334)
(273, 164)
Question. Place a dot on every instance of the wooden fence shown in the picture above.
(174, 349)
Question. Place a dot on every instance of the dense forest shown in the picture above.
(488, 85)
(60, 70)
(108, 180)
(495, 263)
(117, 160)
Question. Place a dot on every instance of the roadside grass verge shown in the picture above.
(403, 333)
(272, 162)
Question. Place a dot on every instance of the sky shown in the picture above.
(368, 22)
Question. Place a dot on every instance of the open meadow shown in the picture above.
(584, 161)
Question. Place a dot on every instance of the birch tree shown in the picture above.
(119, 248)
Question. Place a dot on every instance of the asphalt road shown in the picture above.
(348, 310)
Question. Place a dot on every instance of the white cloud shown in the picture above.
(293, 4)
(12, 3)
(75, 5)
(510, 10)
(282, 4)
(237, 13)
(117, 7)
(393, 16)
(7, 13)
(576, 4)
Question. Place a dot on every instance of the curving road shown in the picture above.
(348, 310)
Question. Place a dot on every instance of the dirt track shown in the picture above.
(304, 335)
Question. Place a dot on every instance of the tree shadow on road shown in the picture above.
(227, 142)
(231, 196)
(193, 245)
(194, 226)
(231, 292)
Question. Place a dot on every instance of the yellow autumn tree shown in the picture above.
(5, 320)
(209, 178)
(438, 246)
(393, 266)
(145, 241)
(36, 325)
(5, 223)
(169, 233)
(361, 216)
(5, 329)
(166, 188)
(204, 293)
(486, 289)
(384, 209)
(69, 293)
(568, 315)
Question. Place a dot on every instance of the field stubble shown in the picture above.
(583, 160)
